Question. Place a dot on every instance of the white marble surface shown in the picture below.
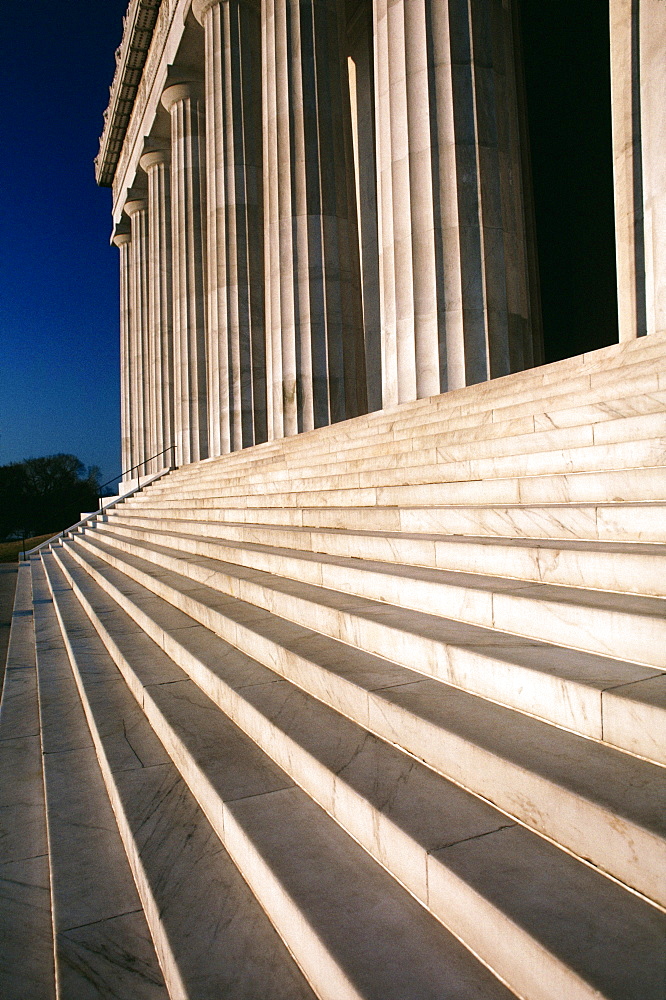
(587, 805)
(632, 568)
(185, 880)
(419, 446)
(184, 102)
(26, 938)
(221, 766)
(565, 909)
(325, 875)
(422, 732)
(310, 627)
(648, 72)
(479, 410)
(584, 619)
(101, 938)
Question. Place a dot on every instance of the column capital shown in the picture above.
(135, 205)
(120, 236)
(151, 157)
(199, 7)
(181, 91)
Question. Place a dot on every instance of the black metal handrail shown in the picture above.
(125, 472)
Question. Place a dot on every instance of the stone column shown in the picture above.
(185, 104)
(653, 144)
(121, 238)
(156, 164)
(453, 258)
(627, 168)
(235, 245)
(315, 341)
(140, 417)
(362, 92)
(638, 89)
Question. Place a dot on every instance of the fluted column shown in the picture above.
(362, 92)
(121, 238)
(315, 336)
(185, 105)
(235, 294)
(638, 85)
(137, 210)
(156, 164)
(454, 279)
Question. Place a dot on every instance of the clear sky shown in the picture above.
(58, 274)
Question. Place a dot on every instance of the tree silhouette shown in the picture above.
(46, 494)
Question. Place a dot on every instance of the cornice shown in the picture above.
(138, 27)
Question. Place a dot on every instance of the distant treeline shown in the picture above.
(41, 495)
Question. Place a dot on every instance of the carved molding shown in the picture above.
(138, 28)
(160, 35)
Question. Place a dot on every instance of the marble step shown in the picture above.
(567, 398)
(464, 404)
(633, 694)
(432, 445)
(102, 945)
(203, 918)
(635, 392)
(622, 419)
(317, 886)
(607, 486)
(628, 567)
(436, 466)
(26, 937)
(571, 789)
(598, 697)
(634, 469)
(424, 466)
(413, 821)
(611, 522)
(627, 627)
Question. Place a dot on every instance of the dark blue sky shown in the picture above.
(58, 274)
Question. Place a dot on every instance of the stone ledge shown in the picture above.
(139, 23)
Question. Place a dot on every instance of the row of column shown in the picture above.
(638, 82)
(315, 349)
(455, 278)
(243, 313)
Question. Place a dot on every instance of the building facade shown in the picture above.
(325, 208)
(368, 708)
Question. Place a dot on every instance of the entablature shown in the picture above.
(171, 42)
(138, 28)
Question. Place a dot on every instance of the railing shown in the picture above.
(148, 478)
(123, 475)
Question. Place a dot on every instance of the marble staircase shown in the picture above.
(376, 711)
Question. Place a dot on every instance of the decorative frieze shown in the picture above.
(139, 25)
(154, 59)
